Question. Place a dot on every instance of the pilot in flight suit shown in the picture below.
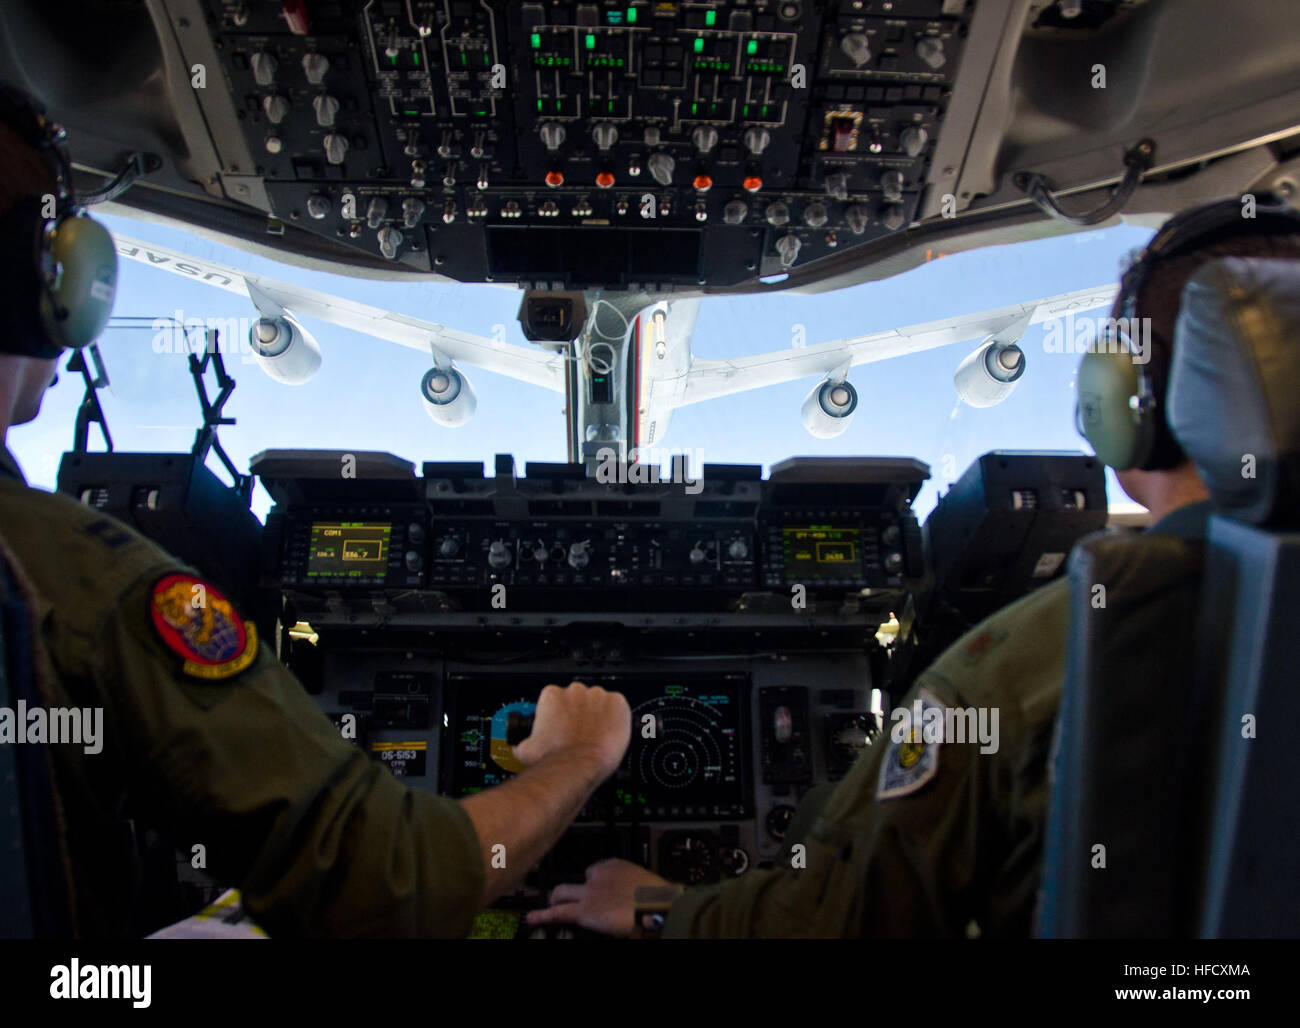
(921, 839)
(927, 838)
(210, 736)
(206, 737)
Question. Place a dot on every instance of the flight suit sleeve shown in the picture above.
(320, 839)
(921, 839)
(897, 867)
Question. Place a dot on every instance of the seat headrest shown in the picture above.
(1234, 385)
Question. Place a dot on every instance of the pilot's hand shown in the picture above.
(604, 903)
(582, 719)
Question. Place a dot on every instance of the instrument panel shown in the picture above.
(688, 759)
(629, 144)
(559, 537)
(742, 699)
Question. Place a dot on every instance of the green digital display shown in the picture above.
(495, 924)
(348, 549)
(814, 552)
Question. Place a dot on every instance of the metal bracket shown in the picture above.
(90, 412)
(205, 439)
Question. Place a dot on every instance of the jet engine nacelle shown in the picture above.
(989, 374)
(284, 349)
(448, 397)
(829, 408)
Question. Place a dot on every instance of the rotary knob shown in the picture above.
(777, 214)
(413, 561)
(318, 205)
(930, 50)
(314, 66)
(738, 550)
(894, 562)
(540, 553)
(605, 134)
(857, 48)
(327, 108)
(696, 556)
(891, 185)
(579, 556)
(276, 108)
(913, 140)
(705, 138)
(778, 821)
(889, 536)
(390, 239)
(552, 135)
(756, 140)
(857, 218)
(735, 212)
(412, 211)
(837, 185)
(893, 217)
(448, 547)
(336, 148)
(415, 532)
(264, 67)
(661, 167)
(787, 247)
(499, 554)
(815, 216)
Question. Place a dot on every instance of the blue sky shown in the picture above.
(366, 394)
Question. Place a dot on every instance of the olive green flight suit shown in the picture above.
(320, 839)
(923, 840)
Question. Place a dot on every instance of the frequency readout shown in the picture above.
(821, 551)
(348, 549)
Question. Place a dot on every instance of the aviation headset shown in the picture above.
(59, 266)
(1118, 411)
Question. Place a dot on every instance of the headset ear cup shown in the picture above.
(78, 305)
(1107, 383)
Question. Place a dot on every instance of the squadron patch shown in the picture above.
(200, 625)
(910, 761)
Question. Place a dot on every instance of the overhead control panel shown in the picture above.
(616, 145)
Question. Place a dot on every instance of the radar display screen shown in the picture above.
(814, 552)
(348, 549)
(688, 757)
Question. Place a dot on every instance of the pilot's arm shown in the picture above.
(918, 839)
(228, 751)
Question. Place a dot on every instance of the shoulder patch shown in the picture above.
(197, 623)
(910, 761)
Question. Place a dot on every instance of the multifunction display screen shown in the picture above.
(687, 759)
(815, 552)
(348, 549)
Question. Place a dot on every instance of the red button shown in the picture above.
(753, 184)
(295, 16)
(554, 178)
(703, 183)
(605, 179)
(842, 135)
